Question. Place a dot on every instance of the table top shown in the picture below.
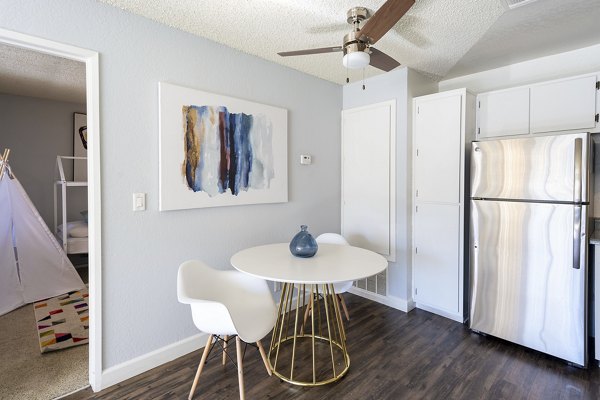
(333, 263)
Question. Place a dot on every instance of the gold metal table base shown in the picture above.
(301, 329)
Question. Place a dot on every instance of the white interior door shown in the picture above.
(368, 188)
(436, 258)
(437, 157)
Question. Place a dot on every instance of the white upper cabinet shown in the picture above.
(438, 149)
(503, 113)
(564, 105)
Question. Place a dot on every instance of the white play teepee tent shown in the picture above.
(33, 266)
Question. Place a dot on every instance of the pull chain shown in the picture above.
(363, 79)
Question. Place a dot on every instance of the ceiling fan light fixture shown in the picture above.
(356, 60)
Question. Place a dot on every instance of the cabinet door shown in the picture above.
(564, 105)
(367, 191)
(438, 149)
(436, 258)
(503, 113)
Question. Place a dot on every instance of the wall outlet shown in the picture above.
(305, 159)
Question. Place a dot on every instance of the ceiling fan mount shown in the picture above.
(352, 41)
(357, 44)
(357, 15)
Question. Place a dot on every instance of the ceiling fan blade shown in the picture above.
(384, 19)
(311, 51)
(382, 61)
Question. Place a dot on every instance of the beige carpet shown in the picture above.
(25, 373)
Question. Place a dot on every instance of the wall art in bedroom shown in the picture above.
(80, 146)
(219, 151)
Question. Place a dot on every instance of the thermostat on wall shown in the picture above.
(305, 159)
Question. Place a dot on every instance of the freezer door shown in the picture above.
(524, 287)
(544, 168)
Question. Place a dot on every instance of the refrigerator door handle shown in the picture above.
(576, 236)
(578, 147)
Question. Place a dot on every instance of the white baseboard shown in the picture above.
(453, 316)
(392, 301)
(121, 372)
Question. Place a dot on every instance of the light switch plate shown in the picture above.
(305, 159)
(139, 201)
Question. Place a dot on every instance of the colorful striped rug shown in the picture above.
(62, 321)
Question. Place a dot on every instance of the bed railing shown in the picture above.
(64, 184)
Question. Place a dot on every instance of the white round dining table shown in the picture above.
(333, 263)
(320, 330)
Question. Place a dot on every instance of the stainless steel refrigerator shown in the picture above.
(530, 199)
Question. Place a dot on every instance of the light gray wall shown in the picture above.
(141, 251)
(399, 85)
(36, 131)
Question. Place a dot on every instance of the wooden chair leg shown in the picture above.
(202, 361)
(225, 349)
(264, 357)
(344, 306)
(308, 308)
(238, 348)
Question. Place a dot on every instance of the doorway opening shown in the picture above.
(75, 206)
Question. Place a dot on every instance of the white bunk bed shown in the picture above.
(72, 235)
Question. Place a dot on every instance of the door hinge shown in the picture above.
(416, 208)
(479, 104)
(416, 250)
(417, 152)
(598, 85)
(416, 291)
(417, 194)
(597, 117)
(479, 131)
(417, 110)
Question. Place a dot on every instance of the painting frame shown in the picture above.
(80, 147)
(178, 189)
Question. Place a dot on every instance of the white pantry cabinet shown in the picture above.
(443, 128)
(568, 104)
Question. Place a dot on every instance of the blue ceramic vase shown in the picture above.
(303, 244)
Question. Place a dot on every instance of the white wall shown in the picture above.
(141, 251)
(36, 131)
(557, 66)
(401, 85)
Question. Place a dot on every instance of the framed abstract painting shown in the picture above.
(219, 151)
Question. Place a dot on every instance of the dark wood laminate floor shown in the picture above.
(393, 356)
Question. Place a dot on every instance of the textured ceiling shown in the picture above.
(440, 38)
(28, 73)
(430, 38)
(538, 29)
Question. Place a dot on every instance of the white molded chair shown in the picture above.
(225, 304)
(340, 287)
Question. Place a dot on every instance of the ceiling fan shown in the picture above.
(357, 45)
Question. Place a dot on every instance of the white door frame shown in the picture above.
(90, 58)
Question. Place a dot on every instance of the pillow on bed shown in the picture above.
(76, 229)
(79, 231)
